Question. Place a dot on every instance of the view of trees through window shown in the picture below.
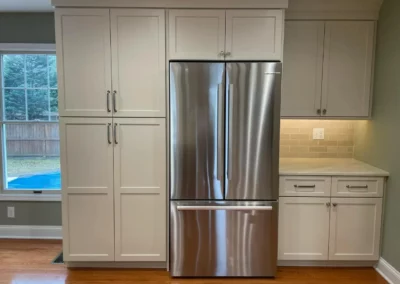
(30, 122)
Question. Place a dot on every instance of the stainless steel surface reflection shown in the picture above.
(252, 135)
(225, 238)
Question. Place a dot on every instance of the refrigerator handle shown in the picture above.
(220, 161)
(230, 128)
(226, 208)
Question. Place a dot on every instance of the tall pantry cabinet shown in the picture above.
(111, 68)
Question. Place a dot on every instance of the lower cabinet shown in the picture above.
(113, 189)
(312, 228)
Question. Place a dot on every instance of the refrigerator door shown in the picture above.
(197, 130)
(225, 238)
(252, 135)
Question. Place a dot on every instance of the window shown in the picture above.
(29, 118)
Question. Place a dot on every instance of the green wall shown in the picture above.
(29, 28)
(378, 140)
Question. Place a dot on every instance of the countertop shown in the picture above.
(327, 167)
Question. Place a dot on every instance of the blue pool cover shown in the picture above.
(43, 181)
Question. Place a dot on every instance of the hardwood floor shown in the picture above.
(29, 262)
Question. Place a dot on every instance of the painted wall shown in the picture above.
(377, 141)
(29, 28)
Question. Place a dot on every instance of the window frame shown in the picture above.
(21, 194)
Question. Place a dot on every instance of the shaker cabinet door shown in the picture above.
(347, 74)
(87, 189)
(197, 34)
(302, 65)
(138, 62)
(254, 34)
(84, 61)
(355, 228)
(303, 228)
(140, 189)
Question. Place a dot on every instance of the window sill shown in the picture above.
(30, 197)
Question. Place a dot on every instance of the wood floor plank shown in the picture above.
(29, 262)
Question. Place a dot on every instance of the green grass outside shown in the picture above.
(30, 165)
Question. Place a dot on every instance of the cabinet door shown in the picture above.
(138, 62)
(303, 228)
(254, 34)
(87, 189)
(302, 76)
(355, 228)
(196, 34)
(140, 189)
(348, 58)
(83, 61)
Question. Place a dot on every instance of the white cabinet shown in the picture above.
(355, 228)
(196, 34)
(328, 68)
(302, 76)
(348, 58)
(303, 228)
(229, 35)
(87, 189)
(317, 186)
(83, 61)
(132, 41)
(254, 34)
(357, 186)
(138, 62)
(140, 189)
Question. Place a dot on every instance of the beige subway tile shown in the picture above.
(286, 155)
(327, 143)
(284, 149)
(345, 143)
(318, 149)
(289, 130)
(327, 155)
(289, 142)
(345, 149)
(299, 149)
(344, 137)
(300, 136)
(308, 142)
(285, 136)
(306, 155)
(306, 130)
(345, 155)
(332, 149)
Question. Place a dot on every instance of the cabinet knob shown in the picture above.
(221, 53)
(324, 111)
(334, 204)
(318, 111)
(227, 53)
(328, 204)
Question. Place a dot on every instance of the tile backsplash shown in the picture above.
(297, 139)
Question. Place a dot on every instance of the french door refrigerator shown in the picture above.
(224, 168)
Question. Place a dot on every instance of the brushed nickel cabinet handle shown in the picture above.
(357, 186)
(108, 101)
(115, 101)
(109, 133)
(304, 186)
(115, 133)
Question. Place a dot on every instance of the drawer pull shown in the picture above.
(304, 186)
(357, 186)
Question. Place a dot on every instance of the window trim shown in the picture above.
(25, 194)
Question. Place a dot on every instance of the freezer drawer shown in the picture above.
(226, 238)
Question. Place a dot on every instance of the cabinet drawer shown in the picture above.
(304, 186)
(357, 186)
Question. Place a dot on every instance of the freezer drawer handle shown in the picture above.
(304, 186)
(227, 208)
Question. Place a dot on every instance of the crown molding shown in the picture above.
(232, 4)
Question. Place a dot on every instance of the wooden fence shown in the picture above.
(33, 139)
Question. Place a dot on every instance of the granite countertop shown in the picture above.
(329, 167)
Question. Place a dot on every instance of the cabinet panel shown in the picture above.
(303, 228)
(138, 62)
(302, 76)
(87, 189)
(140, 190)
(84, 61)
(355, 228)
(196, 34)
(304, 186)
(348, 56)
(357, 186)
(254, 34)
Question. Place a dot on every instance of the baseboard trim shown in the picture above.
(30, 232)
(326, 263)
(110, 264)
(388, 272)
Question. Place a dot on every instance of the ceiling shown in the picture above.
(25, 6)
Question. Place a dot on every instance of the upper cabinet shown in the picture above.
(328, 68)
(132, 41)
(225, 35)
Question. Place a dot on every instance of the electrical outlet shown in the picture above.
(10, 212)
(318, 133)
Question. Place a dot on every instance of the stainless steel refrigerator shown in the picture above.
(224, 168)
